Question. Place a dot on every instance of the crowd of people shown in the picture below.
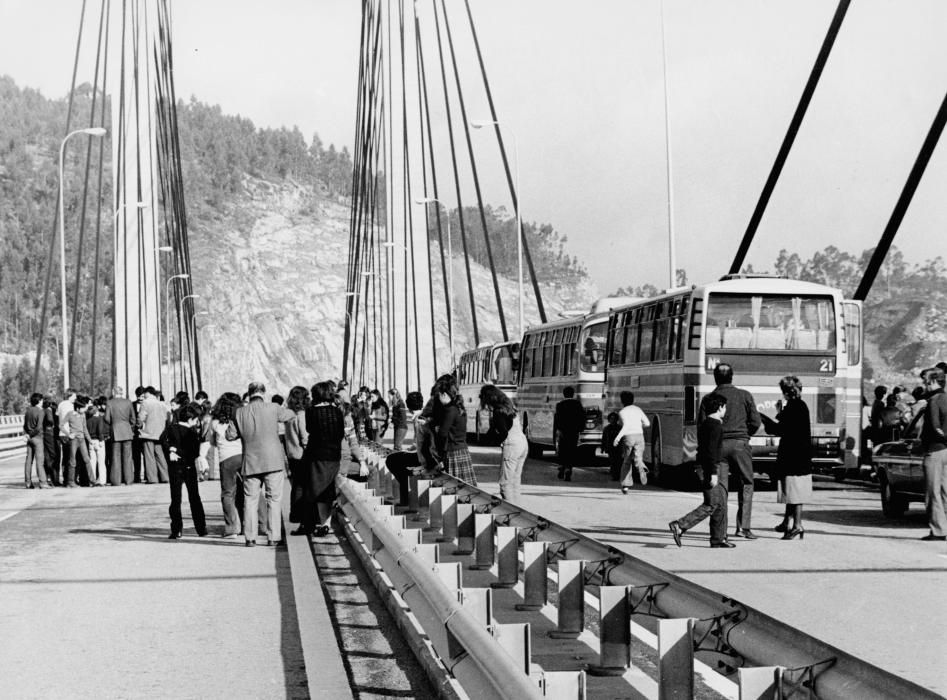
(253, 444)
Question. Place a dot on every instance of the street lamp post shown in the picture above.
(167, 324)
(204, 328)
(97, 131)
(519, 230)
(450, 275)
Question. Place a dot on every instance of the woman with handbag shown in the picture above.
(794, 455)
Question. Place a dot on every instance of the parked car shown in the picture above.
(898, 465)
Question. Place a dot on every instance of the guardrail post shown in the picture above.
(421, 498)
(571, 617)
(436, 504)
(450, 576)
(465, 528)
(676, 659)
(394, 488)
(449, 524)
(535, 592)
(563, 685)
(479, 601)
(413, 496)
(508, 561)
(484, 546)
(412, 534)
(514, 638)
(430, 554)
(614, 632)
(759, 682)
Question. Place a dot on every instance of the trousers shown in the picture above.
(156, 469)
(935, 478)
(122, 468)
(740, 460)
(97, 454)
(186, 475)
(35, 455)
(714, 507)
(513, 456)
(272, 485)
(632, 449)
(77, 445)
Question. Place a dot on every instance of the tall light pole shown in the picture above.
(97, 131)
(167, 325)
(450, 275)
(672, 254)
(479, 124)
(204, 328)
(180, 339)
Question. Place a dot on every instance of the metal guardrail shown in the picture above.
(469, 650)
(742, 639)
(11, 430)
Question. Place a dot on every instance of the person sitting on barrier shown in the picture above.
(362, 414)
(451, 432)
(424, 437)
(714, 472)
(505, 424)
(380, 415)
(321, 461)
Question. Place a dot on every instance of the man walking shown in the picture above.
(121, 417)
(740, 422)
(263, 459)
(631, 439)
(153, 416)
(567, 424)
(934, 442)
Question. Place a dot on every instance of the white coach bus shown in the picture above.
(490, 363)
(664, 349)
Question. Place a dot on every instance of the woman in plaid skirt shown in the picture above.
(451, 436)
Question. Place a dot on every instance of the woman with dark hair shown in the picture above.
(230, 458)
(362, 414)
(296, 439)
(321, 461)
(451, 436)
(505, 423)
(399, 417)
(379, 414)
(793, 456)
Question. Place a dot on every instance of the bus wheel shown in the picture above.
(656, 453)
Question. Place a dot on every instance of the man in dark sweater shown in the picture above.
(33, 421)
(567, 423)
(934, 442)
(740, 422)
(714, 472)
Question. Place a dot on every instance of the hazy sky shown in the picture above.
(581, 87)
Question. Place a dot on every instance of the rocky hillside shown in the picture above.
(271, 273)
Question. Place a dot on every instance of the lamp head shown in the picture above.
(95, 131)
(480, 123)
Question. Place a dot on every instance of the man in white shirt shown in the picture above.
(63, 409)
(631, 439)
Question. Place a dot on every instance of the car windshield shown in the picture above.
(770, 322)
(506, 362)
(592, 344)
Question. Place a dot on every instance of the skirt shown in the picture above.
(795, 490)
(460, 465)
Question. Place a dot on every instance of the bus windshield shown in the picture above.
(506, 359)
(592, 347)
(770, 322)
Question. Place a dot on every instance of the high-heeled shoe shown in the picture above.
(791, 534)
(782, 527)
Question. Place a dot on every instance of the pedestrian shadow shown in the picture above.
(157, 535)
(866, 517)
(295, 680)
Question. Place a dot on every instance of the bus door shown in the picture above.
(852, 317)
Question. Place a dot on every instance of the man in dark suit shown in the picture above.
(740, 422)
(567, 423)
(256, 423)
(121, 417)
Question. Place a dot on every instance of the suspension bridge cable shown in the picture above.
(80, 258)
(794, 125)
(904, 201)
(98, 229)
(514, 195)
(422, 97)
(476, 177)
(453, 155)
(52, 242)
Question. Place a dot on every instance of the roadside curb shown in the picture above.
(325, 672)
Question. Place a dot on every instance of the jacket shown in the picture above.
(256, 424)
(153, 416)
(120, 414)
(741, 419)
(794, 455)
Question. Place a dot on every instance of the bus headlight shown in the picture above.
(593, 418)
